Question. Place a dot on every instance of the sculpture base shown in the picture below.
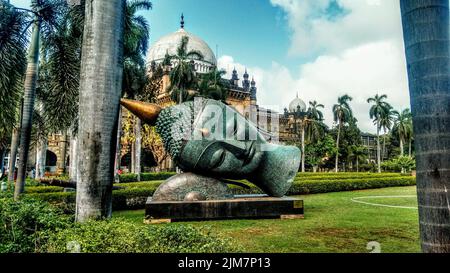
(241, 207)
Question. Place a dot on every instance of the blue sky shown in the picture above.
(320, 49)
(249, 30)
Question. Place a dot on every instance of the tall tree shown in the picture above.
(386, 123)
(342, 113)
(403, 126)
(13, 44)
(45, 15)
(315, 128)
(358, 153)
(211, 85)
(182, 76)
(135, 75)
(100, 91)
(426, 35)
(379, 109)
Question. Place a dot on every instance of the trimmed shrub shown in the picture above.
(119, 236)
(135, 194)
(26, 224)
(347, 174)
(130, 177)
(324, 186)
(43, 189)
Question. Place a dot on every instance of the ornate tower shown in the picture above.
(234, 78)
(253, 90)
(182, 21)
(246, 82)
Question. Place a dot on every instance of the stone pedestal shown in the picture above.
(240, 207)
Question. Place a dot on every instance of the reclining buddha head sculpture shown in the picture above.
(208, 138)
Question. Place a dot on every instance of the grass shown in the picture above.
(333, 223)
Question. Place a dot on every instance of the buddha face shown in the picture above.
(212, 139)
(223, 143)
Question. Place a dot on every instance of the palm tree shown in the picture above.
(315, 128)
(403, 126)
(379, 109)
(211, 85)
(386, 122)
(342, 113)
(134, 72)
(45, 15)
(314, 111)
(358, 153)
(12, 67)
(410, 135)
(426, 35)
(182, 76)
(59, 83)
(102, 54)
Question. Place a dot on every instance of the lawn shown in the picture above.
(333, 223)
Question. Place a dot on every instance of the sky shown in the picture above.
(318, 49)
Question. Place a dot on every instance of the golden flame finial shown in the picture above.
(147, 112)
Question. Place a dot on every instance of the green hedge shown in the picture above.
(131, 177)
(121, 236)
(344, 177)
(43, 189)
(134, 195)
(324, 186)
(348, 174)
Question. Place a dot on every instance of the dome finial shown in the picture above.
(182, 20)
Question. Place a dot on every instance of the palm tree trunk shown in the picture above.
(28, 107)
(15, 137)
(73, 172)
(13, 155)
(133, 157)
(118, 147)
(401, 147)
(303, 147)
(357, 164)
(426, 36)
(63, 147)
(2, 162)
(41, 154)
(410, 148)
(100, 90)
(138, 148)
(378, 149)
(337, 147)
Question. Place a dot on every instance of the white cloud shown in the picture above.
(359, 53)
(362, 21)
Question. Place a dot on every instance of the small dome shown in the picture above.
(169, 44)
(296, 103)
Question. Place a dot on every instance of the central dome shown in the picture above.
(169, 44)
(296, 104)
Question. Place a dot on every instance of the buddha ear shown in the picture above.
(147, 112)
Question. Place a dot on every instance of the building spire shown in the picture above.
(182, 21)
